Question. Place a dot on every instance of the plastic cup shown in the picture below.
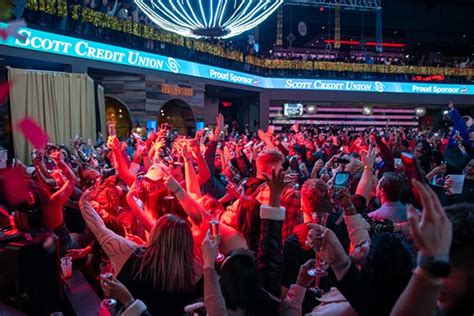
(66, 267)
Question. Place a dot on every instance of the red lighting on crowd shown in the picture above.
(396, 45)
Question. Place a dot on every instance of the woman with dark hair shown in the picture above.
(249, 286)
(248, 220)
(375, 275)
(423, 153)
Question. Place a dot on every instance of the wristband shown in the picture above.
(129, 303)
(340, 267)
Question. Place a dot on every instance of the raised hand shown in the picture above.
(113, 288)
(439, 169)
(276, 184)
(57, 156)
(79, 253)
(219, 127)
(232, 190)
(304, 279)
(185, 153)
(162, 131)
(199, 134)
(210, 248)
(113, 143)
(368, 159)
(262, 135)
(330, 247)
(432, 231)
(195, 147)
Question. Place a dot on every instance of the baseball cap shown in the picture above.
(157, 172)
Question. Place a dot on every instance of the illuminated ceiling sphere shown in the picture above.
(367, 110)
(208, 18)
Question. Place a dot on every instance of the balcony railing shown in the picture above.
(61, 9)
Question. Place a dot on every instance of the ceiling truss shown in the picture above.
(359, 5)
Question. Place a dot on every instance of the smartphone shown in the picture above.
(398, 161)
(341, 180)
(112, 131)
(412, 167)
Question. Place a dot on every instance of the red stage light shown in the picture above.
(226, 104)
(397, 45)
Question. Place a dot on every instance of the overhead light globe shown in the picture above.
(367, 110)
(311, 109)
(420, 112)
(208, 18)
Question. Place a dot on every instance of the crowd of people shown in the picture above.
(315, 220)
(397, 59)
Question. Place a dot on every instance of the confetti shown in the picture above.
(33, 132)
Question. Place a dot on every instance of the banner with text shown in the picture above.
(73, 47)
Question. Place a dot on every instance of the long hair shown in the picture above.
(169, 259)
(248, 220)
(240, 287)
(388, 267)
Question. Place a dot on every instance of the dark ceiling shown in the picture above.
(433, 25)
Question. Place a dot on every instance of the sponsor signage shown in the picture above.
(73, 47)
(177, 90)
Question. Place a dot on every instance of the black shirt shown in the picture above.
(157, 301)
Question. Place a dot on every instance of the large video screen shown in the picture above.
(292, 109)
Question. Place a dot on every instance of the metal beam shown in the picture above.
(359, 5)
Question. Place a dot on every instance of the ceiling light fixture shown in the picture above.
(208, 18)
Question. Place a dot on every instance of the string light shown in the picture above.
(208, 18)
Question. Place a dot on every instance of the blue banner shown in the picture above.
(73, 47)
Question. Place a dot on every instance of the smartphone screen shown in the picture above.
(341, 180)
(111, 126)
(398, 161)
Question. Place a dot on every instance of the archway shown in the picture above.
(179, 115)
(117, 111)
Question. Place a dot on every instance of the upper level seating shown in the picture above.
(122, 23)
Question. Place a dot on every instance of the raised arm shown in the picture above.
(204, 173)
(365, 184)
(192, 208)
(116, 247)
(43, 175)
(458, 122)
(292, 304)
(432, 233)
(120, 164)
(213, 298)
(192, 183)
(139, 214)
(269, 257)
(53, 210)
(386, 154)
(210, 153)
